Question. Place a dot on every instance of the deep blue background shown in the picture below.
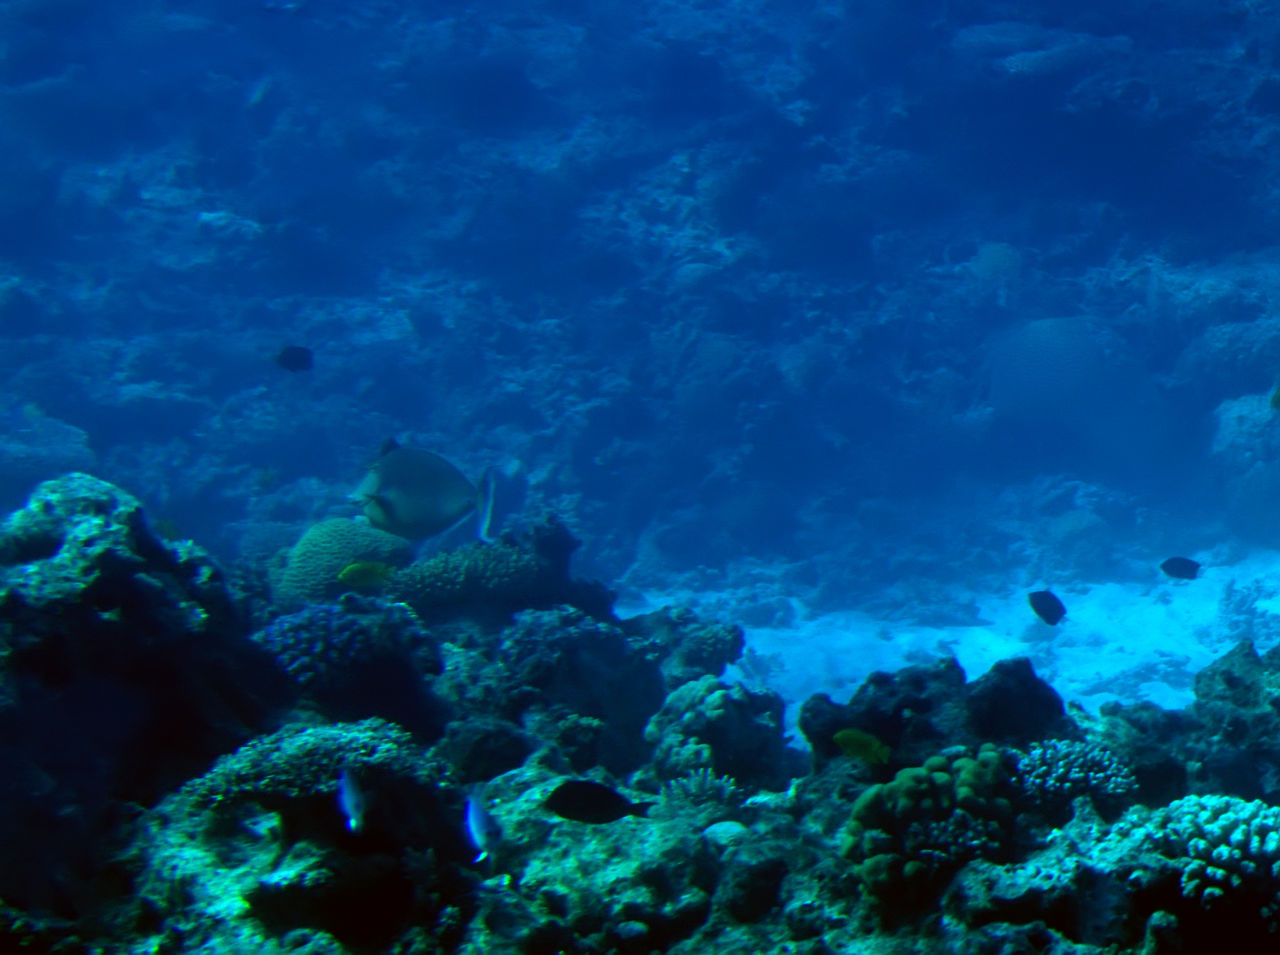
(876, 295)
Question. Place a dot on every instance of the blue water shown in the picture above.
(716, 283)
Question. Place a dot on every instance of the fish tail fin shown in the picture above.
(485, 508)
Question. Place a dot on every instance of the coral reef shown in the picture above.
(258, 848)
(122, 672)
(907, 837)
(1054, 773)
(1226, 742)
(564, 677)
(919, 709)
(303, 761)
(311, 567)
(690, 647)
(156, 803)
(360, 657)
(529, 571)
(733, 731)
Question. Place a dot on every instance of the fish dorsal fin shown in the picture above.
(484, 506)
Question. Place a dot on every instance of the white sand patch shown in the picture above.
(1124, 642)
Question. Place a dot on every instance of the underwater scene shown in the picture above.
(710, 477)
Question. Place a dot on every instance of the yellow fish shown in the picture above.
(366, 575)
(859, 745)
(418, 494)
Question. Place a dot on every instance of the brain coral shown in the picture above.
(311, 573)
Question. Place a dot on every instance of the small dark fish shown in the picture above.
(1184, 568)
(584, 801)
(295, 358)
(1047, 606)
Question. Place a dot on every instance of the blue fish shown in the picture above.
(351, 800)
(482, 827)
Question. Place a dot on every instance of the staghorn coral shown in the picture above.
(702, 796)
(310, 574)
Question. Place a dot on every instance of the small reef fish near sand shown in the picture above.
(1182, 568)
(582, 800)
(1047, 606)
(417, 494)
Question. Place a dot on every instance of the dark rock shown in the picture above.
(1010, 704)
(124, 670)
(691, 648)
(482, 748)
(1233, 693)
(749, 889)
(565, 660)
(915, 712)
(1152, 741)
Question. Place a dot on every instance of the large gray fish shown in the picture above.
(417, 494)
